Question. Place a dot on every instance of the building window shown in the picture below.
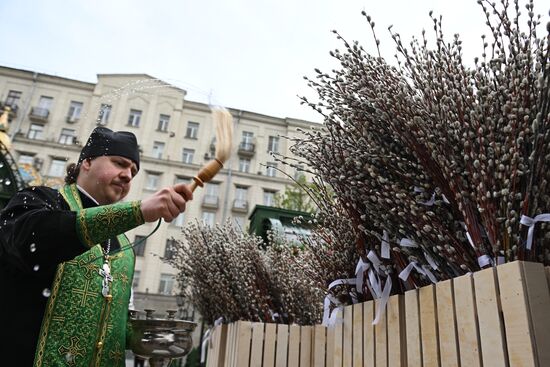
(36, 131)
(152, 181)
(269, 198)
(25, 159)
(135, 281)
(166, 284)
(211, 195)
(179, 220)
(244, 165)
(57, 168)
(13, 98)
(241, 194)
(170, 249)
(192, 130)
(187, 156)
(180, 179)
(75, 109)
(134, 118)
(158, 149)
(247, 137)
(273, 144)
(164, 120)
(208, 218)
(104, 113)
(271, 169)
(67, 136)
(44, 106)
(139, 245)
(238, 222)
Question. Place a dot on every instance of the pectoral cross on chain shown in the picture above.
(107, 277)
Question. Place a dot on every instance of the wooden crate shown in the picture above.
(495, 317)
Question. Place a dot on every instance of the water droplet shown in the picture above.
(36, 267)
(32, 247)
(46, 292)
(7, 182)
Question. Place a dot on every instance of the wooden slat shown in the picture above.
(338, 335)
(357, 335)
(381, 337)
(369, 342)
(448, 338)
(282, 345)
(256, 350)
(319, 345)
(428, 326)
(330, 347)
(468, 332)
(513, 297)
(491, 325)
(305, 346)
(347, 356)
(414, 341)
(229, 362)
(294, 346)
(244, 335)
(214, 348)
(538, 299)
(269, 345)
(397, 351)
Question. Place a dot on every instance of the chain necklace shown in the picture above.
(105, 272)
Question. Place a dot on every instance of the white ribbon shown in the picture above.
(385, 296)
(375, 284)
(360, 273)
(470, 239)
(405, 273)
(329, 298)
(484, 260)
(385, 246)
(208, 338)
(530, 222)
(205, 340)
(405, 242)
(334, 317)
(431, 261)
(374, 260)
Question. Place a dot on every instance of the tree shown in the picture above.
(296, 197)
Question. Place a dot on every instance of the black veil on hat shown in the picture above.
(104, 141)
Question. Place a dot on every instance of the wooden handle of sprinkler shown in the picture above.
(206, 173)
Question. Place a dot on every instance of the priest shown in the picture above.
(66, 267)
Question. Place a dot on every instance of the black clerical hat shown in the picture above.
(103, 141)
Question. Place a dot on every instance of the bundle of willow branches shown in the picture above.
(226, 273)
(444, 162)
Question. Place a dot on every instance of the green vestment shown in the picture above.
(81, 327)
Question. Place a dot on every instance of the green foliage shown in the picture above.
(193, 358)
(296, 196)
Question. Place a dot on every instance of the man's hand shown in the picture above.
(167, 203)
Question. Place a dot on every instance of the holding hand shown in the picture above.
(167, 203)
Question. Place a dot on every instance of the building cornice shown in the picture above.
(45, 78)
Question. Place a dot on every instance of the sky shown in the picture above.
(244, 54)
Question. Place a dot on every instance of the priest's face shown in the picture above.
(107, 178)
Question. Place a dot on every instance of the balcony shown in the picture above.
(72, 119)
(246, 149)
(39, 114)
(210, 201)
(240, 205)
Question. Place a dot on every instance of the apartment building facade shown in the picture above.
(53, 116)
